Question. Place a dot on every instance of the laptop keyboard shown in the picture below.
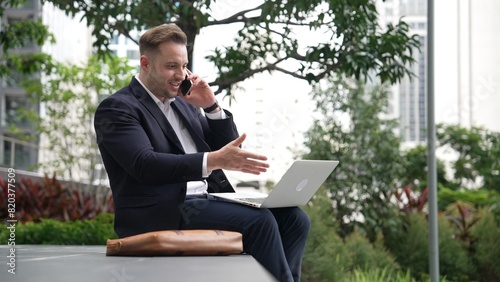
(253, 200)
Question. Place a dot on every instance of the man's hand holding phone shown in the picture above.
(196, 91)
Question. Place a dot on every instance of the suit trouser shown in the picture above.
(276, 238)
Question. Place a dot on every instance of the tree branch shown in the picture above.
(238, 17)
(226, 83)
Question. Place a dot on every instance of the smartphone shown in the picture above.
(186, 86)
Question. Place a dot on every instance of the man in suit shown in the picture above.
(163, 156)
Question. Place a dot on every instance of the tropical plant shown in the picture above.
(463, 217)
(408, 201)
(49, 198)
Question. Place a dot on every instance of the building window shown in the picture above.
(133, 54)
(28, 5)
(15, 20)
(115, 39)
(15, 155)
(422, 7)
(12, 79)
(13, 105)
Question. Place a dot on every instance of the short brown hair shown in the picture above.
(157, 35)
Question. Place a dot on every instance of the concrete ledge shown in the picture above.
(89, 263)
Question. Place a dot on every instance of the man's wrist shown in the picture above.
(211, 161)
(212, 108)
(204, 168)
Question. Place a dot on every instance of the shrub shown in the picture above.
(495, 211)
(326, 257)
(477, 198)
(50, 199)
(325, 261)
(487, 247)
(364, 255)
(410, 246)
(379, 275)
(53, 232)
(454, 262)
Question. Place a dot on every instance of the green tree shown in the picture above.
(476, 197)
(19, 34)
(71, 95)
(351, 41)
(475, 150)
(349, 129)
(478, 150)
(414, 171)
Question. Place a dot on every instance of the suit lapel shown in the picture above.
(195, 132)
(217, 180)
(143, 97)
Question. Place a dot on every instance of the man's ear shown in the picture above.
(144, 62)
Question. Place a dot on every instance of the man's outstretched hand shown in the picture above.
(232, 157)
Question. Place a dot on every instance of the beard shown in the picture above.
(158, 86)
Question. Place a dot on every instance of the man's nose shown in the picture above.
(180, 74)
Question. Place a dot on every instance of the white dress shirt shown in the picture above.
(193, 187)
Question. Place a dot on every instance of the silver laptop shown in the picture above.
(296, 187)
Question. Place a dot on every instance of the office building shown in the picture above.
(466, 66)
(73, 45)
(13, 152)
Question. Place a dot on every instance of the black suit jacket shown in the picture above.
(146, 165)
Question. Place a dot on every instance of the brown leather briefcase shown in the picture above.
(177, 242)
